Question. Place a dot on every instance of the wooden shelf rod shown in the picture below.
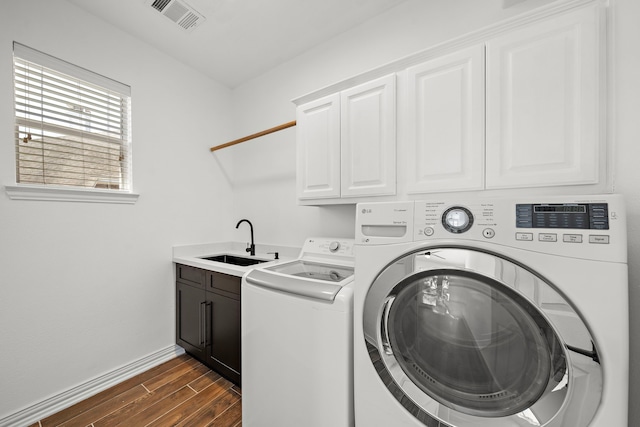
(255, 135)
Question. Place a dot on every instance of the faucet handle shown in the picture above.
(251, 248)
(277, 256)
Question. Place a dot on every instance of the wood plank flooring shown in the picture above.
(180, 392)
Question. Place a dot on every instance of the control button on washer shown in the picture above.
(547, 237)
(524, 236)
(488, 233)
(572, 238)
(594, 238)
(428, 231)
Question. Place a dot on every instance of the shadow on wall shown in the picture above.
(268, 160)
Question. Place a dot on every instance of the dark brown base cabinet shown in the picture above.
(208, 318)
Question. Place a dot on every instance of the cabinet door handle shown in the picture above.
(202, 333)
(206, 322)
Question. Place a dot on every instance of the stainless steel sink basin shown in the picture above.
(234, 259)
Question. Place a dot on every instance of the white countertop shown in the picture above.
(191, 255)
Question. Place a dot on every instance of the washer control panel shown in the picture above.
(588, 226)
(335, 247)
(588, 216)
(469, 220)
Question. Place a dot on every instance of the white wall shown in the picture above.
(86, 288)
(264, 178)
(626, 126)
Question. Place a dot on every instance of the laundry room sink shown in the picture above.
(234, 259)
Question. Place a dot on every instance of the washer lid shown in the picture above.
(309, 279)
(313, 270)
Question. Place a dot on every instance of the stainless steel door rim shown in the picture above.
(471, 338)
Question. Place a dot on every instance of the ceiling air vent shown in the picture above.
(179, 12)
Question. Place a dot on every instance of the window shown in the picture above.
(72, 128)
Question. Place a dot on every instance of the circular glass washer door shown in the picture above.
(466, 339)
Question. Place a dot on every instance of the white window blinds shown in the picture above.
(72, 125)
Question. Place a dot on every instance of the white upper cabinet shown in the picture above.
(346, 143)
(543, 103)
(520, 104)
(368, 138)
(444, 126)
(318, 148)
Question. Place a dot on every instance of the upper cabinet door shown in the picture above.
(543, 97)
(368, 137)
(318, 148)
(445, 123)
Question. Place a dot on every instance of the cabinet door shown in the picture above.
(368, 138)
(224, 341)
(445, 123)
(318, 148)
(543, 97)
(190, 319)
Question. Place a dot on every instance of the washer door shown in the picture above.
(470, 338)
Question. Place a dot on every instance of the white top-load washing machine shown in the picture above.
(491, 313)
(297, 339)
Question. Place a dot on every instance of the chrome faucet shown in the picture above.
(252, 247)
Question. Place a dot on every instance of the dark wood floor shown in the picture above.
(180, 392)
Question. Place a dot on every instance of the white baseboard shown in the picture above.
(55, 404)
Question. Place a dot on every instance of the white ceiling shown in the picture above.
(240, 39)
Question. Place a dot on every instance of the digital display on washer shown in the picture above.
(560, 208)
(587, 216)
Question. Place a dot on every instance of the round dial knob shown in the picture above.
(457, 219)
(334, 246)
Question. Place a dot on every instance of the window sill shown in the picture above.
(23, 192)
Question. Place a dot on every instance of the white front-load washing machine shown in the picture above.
(491, 313)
